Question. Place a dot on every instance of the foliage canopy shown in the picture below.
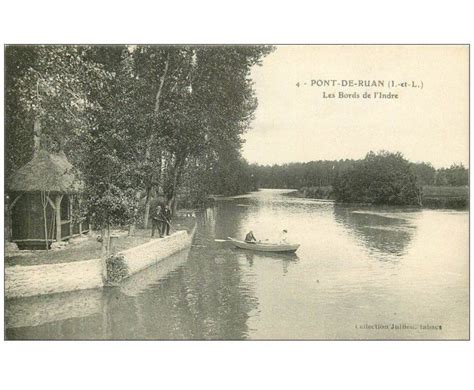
(380, 178)
(134, 120)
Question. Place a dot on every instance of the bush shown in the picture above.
(324, 192)
(382, 178)
(117, 269)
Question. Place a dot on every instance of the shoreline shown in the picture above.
(92, 273)
(434, 198)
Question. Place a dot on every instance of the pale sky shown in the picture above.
(297, 124)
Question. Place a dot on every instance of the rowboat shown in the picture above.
(264, 247)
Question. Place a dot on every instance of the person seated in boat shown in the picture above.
(250, 238)
(284, 237)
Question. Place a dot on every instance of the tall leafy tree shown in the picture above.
(380, 178)
(18, 120)
(134, 119)
(213, 107)
(70, 99)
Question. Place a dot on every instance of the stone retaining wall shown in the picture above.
(139, 282)
(23, 281)
(141, 257)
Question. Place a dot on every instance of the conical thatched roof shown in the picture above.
(45, 172)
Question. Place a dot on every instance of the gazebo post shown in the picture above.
(58, 199)
(71, 201)
(9, 229)
(9, 232)
(80, 218)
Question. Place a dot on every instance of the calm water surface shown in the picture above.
(360, 273)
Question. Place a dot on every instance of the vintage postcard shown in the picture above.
(236, 192)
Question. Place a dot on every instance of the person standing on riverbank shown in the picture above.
(155, 222)
(165, 218)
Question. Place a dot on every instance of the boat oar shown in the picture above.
(222, 240)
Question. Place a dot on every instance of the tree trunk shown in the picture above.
(151, 141)
(171, 195)
(105, 234)
(132, 226)
(104, 244)
(149, 189)
(36, 136)
(420, 197)
(174, 206)
(103, 256)
(147, 207)
(108, 239)
(160, 88)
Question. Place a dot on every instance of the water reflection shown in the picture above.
(74, 315)
(355, 266)
(286, 259)
(382, 231)
(40, 310)
(204, 300)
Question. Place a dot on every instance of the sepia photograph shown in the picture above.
(236, 192)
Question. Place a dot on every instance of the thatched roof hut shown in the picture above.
(42, 196)
(46, 172)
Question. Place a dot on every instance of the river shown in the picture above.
(360, 273)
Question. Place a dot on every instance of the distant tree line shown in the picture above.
(324, 173)
(455, 175)
(297, 175)
(379, 178)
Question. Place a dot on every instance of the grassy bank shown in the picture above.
(89, 248)
(448, 197)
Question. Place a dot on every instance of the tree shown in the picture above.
(75, 103)
(380, 178)
(298, 175)
(209, 107)
(424, 172)
(455, 175)
(18, 122)
(132, 119)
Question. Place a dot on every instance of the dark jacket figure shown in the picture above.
(250, 238)
(165, 218)
(155, 222)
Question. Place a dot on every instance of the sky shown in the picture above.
(296, 124)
